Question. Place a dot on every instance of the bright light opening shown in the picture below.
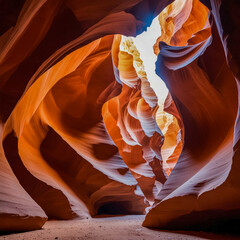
(144, 63)
(144, 43)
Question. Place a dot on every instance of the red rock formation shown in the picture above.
(131, 124)
(79, 133)
(35, 66)
(18, 211)
(199, 192)
(171, 125)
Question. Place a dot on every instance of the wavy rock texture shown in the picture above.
(199, 192)
(169, 122)
(18, 210)
(43, 135)
(131, 124)
(80, 125)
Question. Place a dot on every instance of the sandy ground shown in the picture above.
(114, 228)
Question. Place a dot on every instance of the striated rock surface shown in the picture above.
(131, 124)
(52, 89)
(18, 212)
(81, 129)
(199, 192)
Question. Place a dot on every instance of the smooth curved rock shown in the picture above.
(29, 215)
(28, 49)
(81, 130)
(198, 193)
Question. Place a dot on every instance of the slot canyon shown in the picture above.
(123, 109)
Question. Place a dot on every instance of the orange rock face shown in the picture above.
(81, 131)
(199, 192)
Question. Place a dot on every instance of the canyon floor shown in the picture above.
(109, 227)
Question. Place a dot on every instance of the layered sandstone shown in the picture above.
(82, 132)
